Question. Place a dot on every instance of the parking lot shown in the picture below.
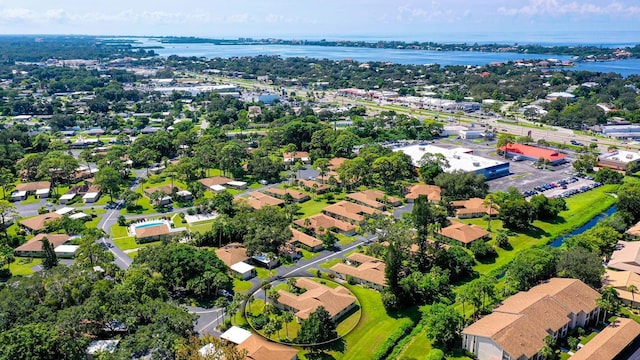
(524, 174)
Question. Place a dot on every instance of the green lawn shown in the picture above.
(118, 231)
(200, 226)
(30, 200)
(128, 243)
(263, 273)
(312, 207)
(417, 347)
(22, 266)
(308, 255)
(240, 286)
(330, 263)
(345, 240)
(255, 186)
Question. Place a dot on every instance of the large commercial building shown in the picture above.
(459, 159)
(528, 152)
(619, 159)
(621, 131)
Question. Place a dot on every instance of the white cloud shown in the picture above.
(560, 8)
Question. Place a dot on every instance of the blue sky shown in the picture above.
(468, 20)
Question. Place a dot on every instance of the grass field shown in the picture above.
(118, 231)
(128, 243)
(241, 285)
(30, 200)
(22, 266)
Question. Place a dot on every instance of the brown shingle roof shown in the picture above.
(473, 206)
(166, 189)
(610, 342)
(35, 243)
(298, 236)
(280, 193)
(370, 269)
(151, 231)
(259, 348)
(621, 280)
(333, 300)
(372, 198)
(463, 233)
(350, 211)
(216, 180)
(37, 223)
(336, 162)
(626, 256)
(232, 253)
(309, 183)
(33, 186)
(326, 222)
(521, 323)
(294, 156)
(634, 230)
(259, 200)
(432, 192)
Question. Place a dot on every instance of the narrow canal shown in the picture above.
(591, 223)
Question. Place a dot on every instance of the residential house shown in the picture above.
(281, 194)
(463, 233)
(348, 211)
(473, 208)
(320, 223)
(517, 328)
(292, 157)
(92, 195)
(36, 224)
(337, 301)
(363, 269)
(618, 341)
(234, 255)
(335, 163)
(215, 183)
(40, 189)
(256, 347)
(432, 192)
(33, 247)
(626, 256)
(167, 190)
(238, 185)
(621, 281)
(258, 200)
(314, 186)
(634, 231)
(155, 232)
(374, 198)
(66, 198)
(307, 242)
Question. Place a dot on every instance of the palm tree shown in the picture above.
(273, 295)
(266, 288)
(633, 290)
(489, 202)
(462, 297)
(287, 317)
(609, 301)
